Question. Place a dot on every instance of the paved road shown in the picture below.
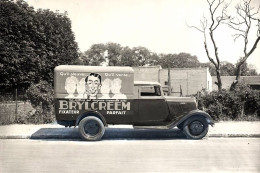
(177, 155)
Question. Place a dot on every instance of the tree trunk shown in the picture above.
(235, 82)
(218, 83)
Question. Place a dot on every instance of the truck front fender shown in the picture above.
(191, 114)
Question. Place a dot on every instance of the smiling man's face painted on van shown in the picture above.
(93, 85)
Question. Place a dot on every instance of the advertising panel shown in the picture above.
(110, 93)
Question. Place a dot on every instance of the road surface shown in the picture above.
(177, 155)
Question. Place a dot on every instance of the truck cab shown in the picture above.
(151, 106)
(91, 97)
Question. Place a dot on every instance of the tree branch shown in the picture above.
(254, 47)
(247, 16)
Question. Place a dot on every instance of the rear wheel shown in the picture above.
(195, 127)
(91, 128)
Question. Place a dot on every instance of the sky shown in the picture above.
(159, 25)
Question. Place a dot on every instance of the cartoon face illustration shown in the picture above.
(70, 85)
(116, 86)
(81, 86)
(105, 88)
(93, 84)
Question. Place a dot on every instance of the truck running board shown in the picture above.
(151, 127)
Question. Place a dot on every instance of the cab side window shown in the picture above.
(150, 91)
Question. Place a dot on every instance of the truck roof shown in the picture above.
(146, 83)
(81, 68)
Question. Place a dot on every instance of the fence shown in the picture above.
(8, 113)
(12, 106)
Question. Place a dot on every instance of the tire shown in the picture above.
(195, 127)
(91, 128)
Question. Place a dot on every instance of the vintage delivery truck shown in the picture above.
(91, 97)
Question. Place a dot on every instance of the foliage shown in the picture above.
(95, 55)
(246, 70)
(226, 105)
(228, 69)
(114, 54)
(35, 118)
(127, 57)
(141, 56)
(181, 60)
(41, 98)
(32, 43)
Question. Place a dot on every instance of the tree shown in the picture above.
(141, 56)
(154, 59)
(165, 60)
(227, 68)
(114, 54)
(57, 45)
(127, 57)
(181, 60)
(247, 70)
(185, 60)
(95, 55)
(242, 24)
(217, 16)
(32, 43)
(16, 45)
(79, 60)
(247, 17)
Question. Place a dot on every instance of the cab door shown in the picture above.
(152, 107)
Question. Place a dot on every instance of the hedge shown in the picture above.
(240, 104)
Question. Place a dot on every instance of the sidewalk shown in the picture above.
(54, 131)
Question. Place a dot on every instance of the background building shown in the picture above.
(184, 81)
(188, 81)
(252, 81)
(149, 73)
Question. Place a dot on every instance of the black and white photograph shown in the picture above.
(115, 86)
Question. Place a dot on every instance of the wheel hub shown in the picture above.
(196, 127)
(92, 128)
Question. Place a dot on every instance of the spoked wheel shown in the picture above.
(91, 128)
(195, 127)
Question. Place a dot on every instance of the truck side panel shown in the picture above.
(109, 90)
(114, 111)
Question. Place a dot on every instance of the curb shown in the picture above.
(234, 135)
(15, 137)
(78, 137)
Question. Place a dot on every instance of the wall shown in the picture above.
(187, 80)
(147, 73)
(209, 81)
(227, 81)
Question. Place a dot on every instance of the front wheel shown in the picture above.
(91, 128)
(195, 127)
